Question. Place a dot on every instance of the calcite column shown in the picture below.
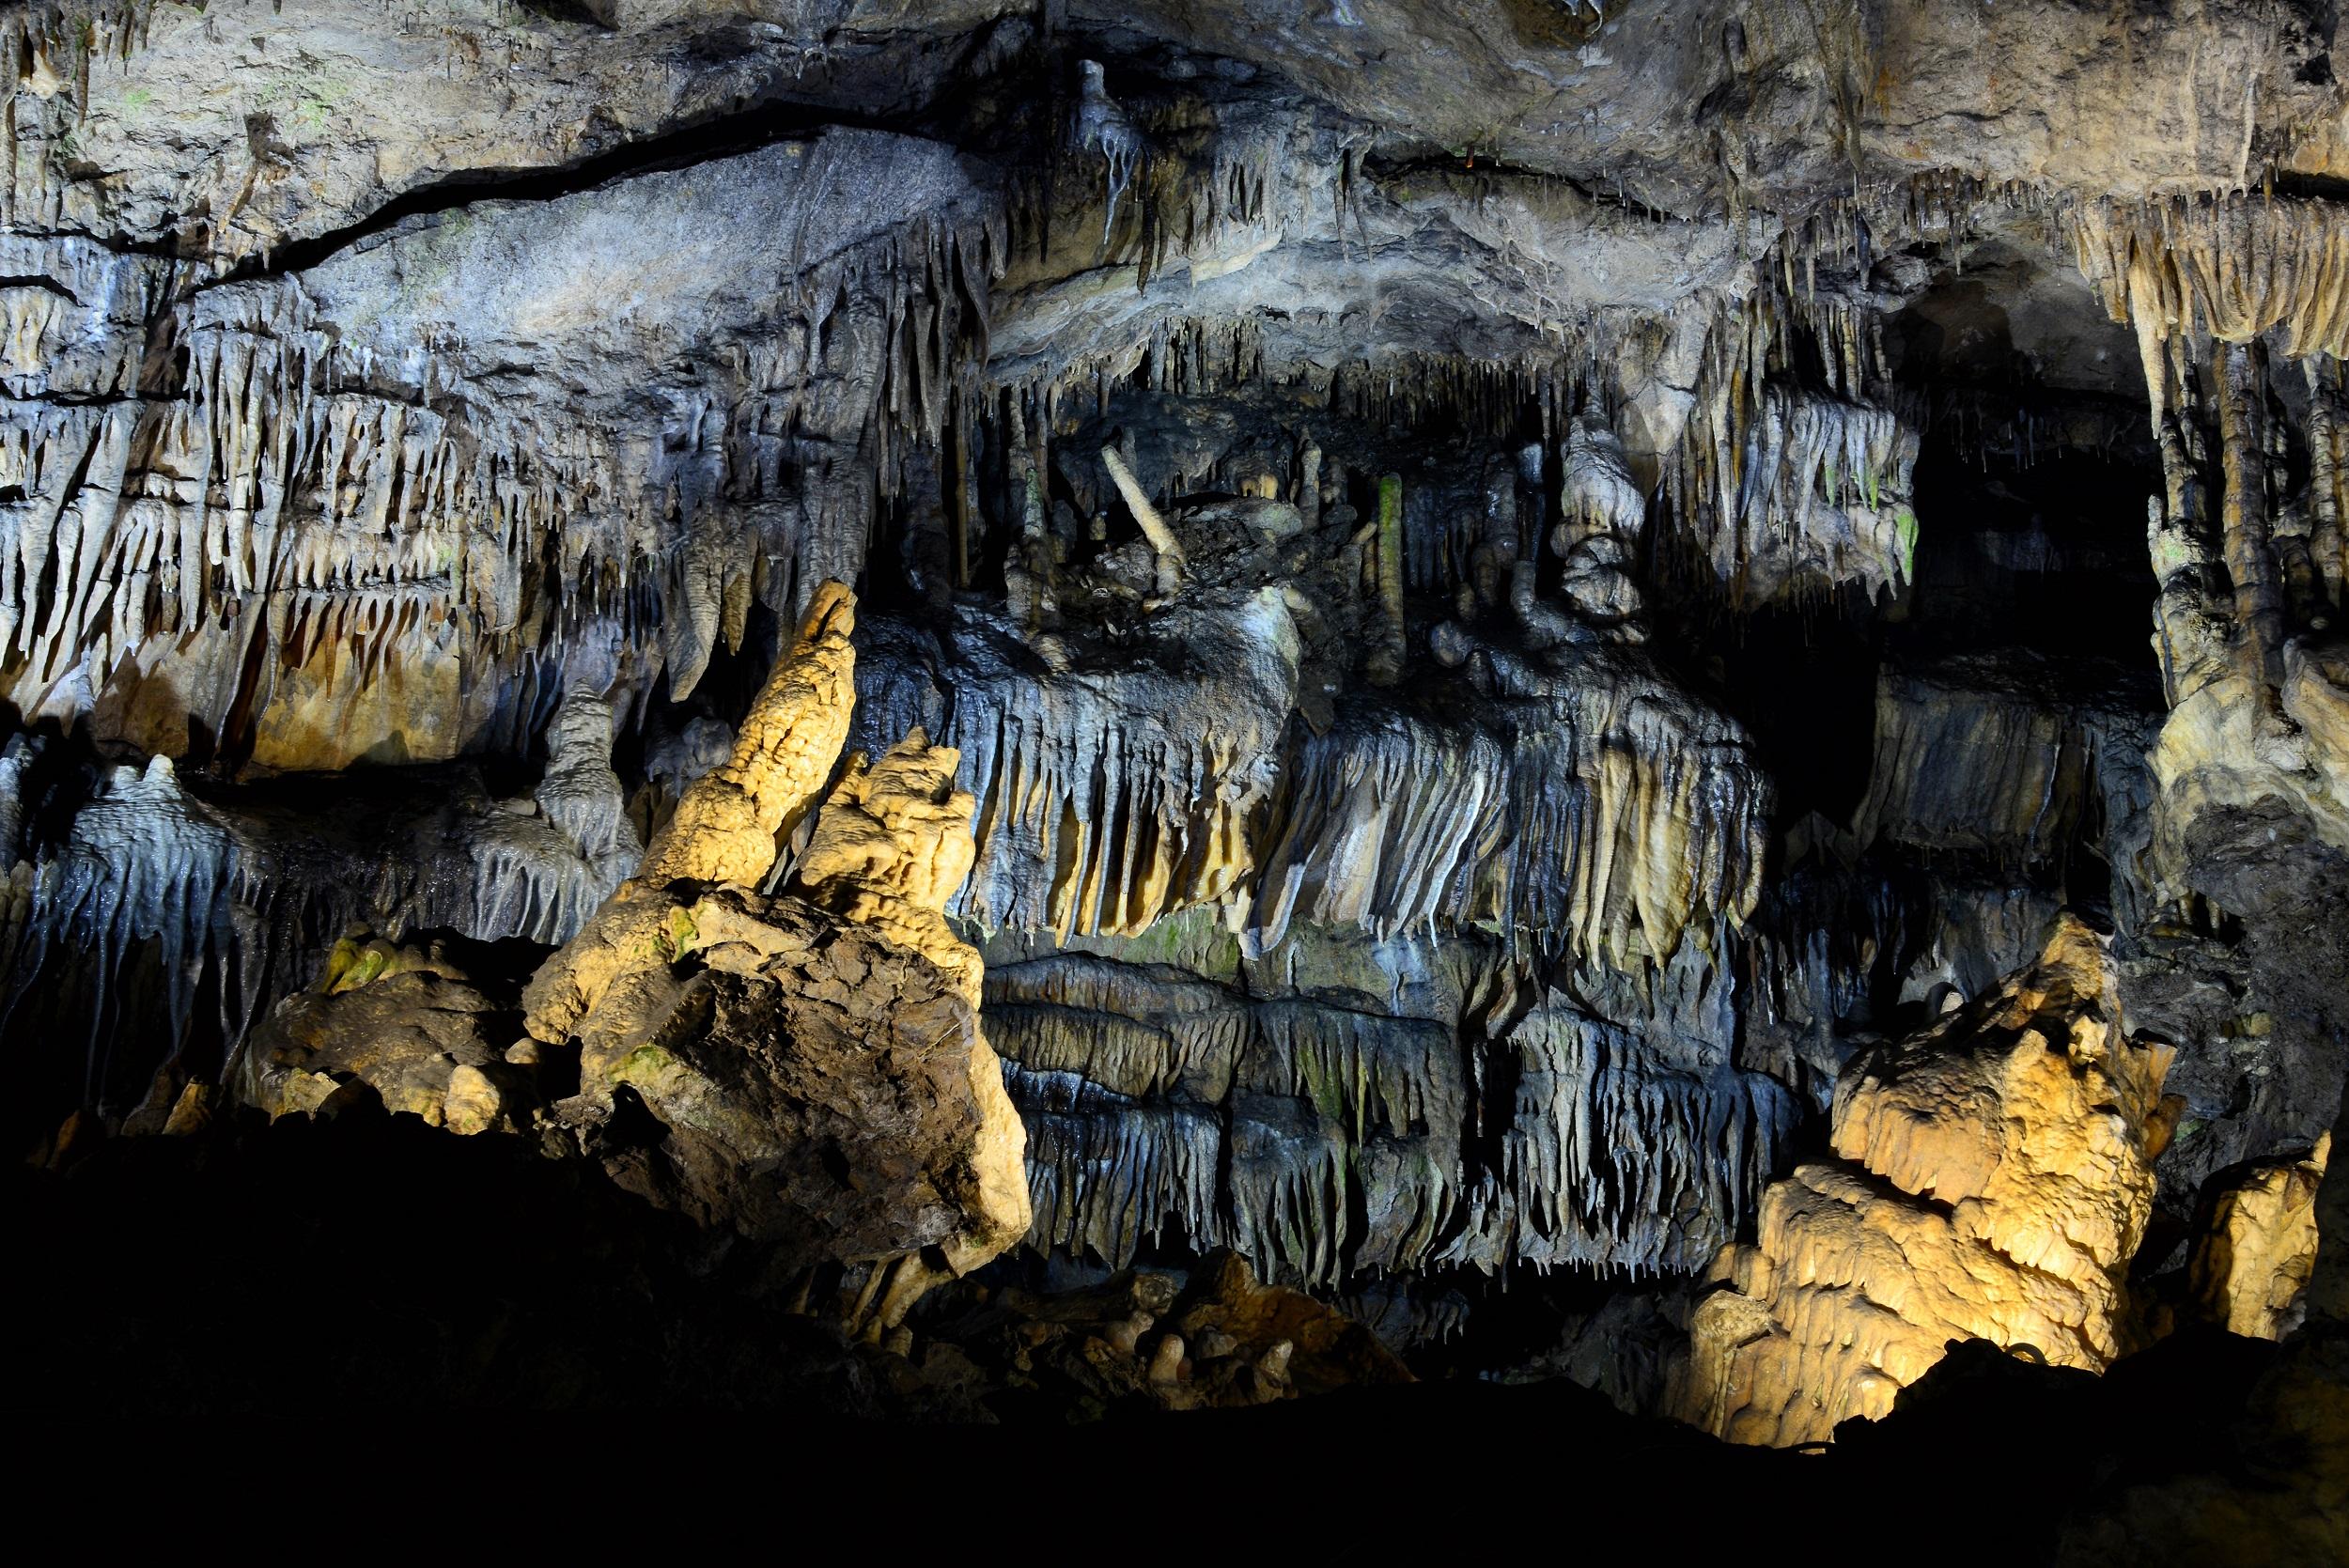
(2250, 563)
(1386, 655)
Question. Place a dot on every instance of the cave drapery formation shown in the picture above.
(1646, 689)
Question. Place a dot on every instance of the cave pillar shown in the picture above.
(2327, 547)
(1386, 658)
(2243, 530)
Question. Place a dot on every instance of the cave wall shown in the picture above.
(1659, 594)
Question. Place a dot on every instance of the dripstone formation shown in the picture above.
(1129, 709)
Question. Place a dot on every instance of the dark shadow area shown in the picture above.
(2049, 555)
(348, 1276)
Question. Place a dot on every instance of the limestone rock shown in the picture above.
(892, 846)
(815, 1086)
(2254, 1258)
(402, 1020)
(1993, 1178)
(816, 1068)
(727, 822)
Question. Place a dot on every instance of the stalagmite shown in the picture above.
(1992, 1178)
(727, 823)
(751, 1027)
(891, 847)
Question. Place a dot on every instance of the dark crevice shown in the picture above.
(46, 284)
(706, 142)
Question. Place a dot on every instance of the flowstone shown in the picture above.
(1992, 1180)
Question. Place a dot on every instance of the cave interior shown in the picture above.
(1624, 720)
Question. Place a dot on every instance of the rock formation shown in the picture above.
(1479, 637)
(814, 1064)
(1992, 1180)
(2252, 1261)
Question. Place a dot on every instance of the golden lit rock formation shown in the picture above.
(777, 1040)
(2253, 1261)
(726, 824)
(780, 1039)
(1993, 1178)
(891, 847)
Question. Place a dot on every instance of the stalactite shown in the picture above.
(1599, 811)
(1324, 1139)
(1794, 495)
(283, 493)
(1107, 797)
(2231, 268)
(1993, 756)
(1626, 1163)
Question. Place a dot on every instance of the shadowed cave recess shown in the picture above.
(1280, 721)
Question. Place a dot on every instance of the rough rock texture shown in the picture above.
(817, 1065)
(818, 1089)
(811, 1069)
(1493, 595)
(2251, 1265)
(406, 1024)
(1993, 1179)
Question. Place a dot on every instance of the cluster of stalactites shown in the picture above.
(2247, 561)
(1179, 207)
(343, 530)
(236, 905)
(1485, 395)
(2232, 267)
(47, 48)
(1324, 1142)
(1107, 803)
(260, 487)
(1968, 762)
(1613, 820)
(1785, 494)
